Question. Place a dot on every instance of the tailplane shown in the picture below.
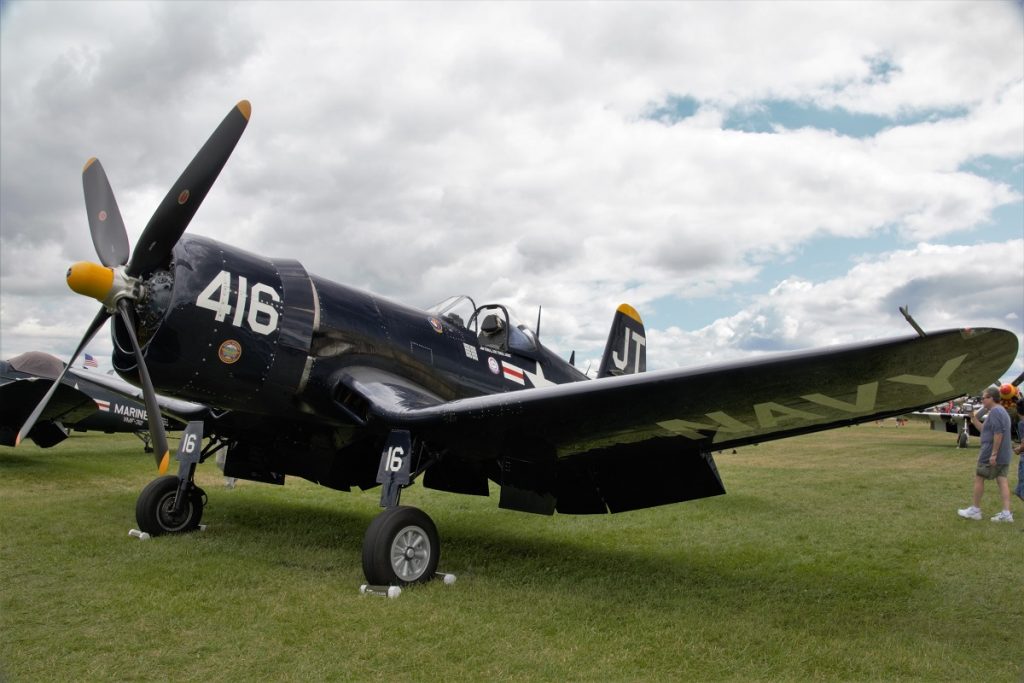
(626, 350)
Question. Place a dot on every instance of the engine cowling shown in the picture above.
(224, 327)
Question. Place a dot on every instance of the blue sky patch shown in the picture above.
(767, 115)
(1001, 169)
(674, 110)
(688, 314)
(881, 69)
(764, 117)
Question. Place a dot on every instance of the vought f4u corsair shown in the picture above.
(311, 378)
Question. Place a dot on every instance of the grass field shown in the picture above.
(834, 556)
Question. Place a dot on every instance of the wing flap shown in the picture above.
(635, 476)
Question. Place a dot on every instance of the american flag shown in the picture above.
(90, 362)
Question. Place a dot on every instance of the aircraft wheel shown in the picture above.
(961, 441)
(401, 546)
(155, 506)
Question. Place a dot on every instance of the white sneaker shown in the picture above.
(1004, 516)
(970, 513)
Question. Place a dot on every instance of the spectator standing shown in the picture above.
(994, 457)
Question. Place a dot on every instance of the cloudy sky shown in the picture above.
(752, 177)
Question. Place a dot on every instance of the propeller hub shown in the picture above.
(106, 285)
(91, 279)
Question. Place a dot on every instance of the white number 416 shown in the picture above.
(262, 316)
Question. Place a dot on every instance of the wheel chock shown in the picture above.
(141, 535)
(382, 591)
(394, 591)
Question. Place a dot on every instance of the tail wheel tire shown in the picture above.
(401, 547)
(154, 510)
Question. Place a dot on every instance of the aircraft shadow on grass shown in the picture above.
(507, 559)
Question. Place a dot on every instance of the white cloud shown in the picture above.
(959, 286)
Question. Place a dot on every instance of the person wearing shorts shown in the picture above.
(994, 457)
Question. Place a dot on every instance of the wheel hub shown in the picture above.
(410, 553)
(168, 519)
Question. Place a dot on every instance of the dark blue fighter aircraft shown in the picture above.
(315, 379)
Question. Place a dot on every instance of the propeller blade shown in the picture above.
(156, 424)
(176, 210)
(105, 222)
(95, 325)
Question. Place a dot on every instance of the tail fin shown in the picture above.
(626, 350)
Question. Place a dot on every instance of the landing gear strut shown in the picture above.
(147, 441)
(401, 545)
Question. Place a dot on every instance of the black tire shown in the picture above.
(961, 440)
(153, 508)
(401, 547)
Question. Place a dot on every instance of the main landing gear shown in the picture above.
(174, 504)
(401, 545)
(158, 511)
(147, 441)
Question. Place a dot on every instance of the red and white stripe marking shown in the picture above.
(513, 373)
(102, 405)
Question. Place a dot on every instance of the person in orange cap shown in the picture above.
(994, 457)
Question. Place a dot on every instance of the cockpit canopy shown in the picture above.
(495, 325)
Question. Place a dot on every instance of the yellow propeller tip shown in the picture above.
(245, 108)
(90, 162)
(164, 462)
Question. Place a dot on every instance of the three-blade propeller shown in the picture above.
(119, 279)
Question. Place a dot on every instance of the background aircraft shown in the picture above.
(342, 387)
(955, 417)
(955, 420)
(85, 401)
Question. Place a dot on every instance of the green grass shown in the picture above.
(834, 556)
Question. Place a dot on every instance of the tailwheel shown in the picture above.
(155, 509)
(401, 547)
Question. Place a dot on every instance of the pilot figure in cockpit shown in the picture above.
(493, 333)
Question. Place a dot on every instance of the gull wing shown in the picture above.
(634, 441)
